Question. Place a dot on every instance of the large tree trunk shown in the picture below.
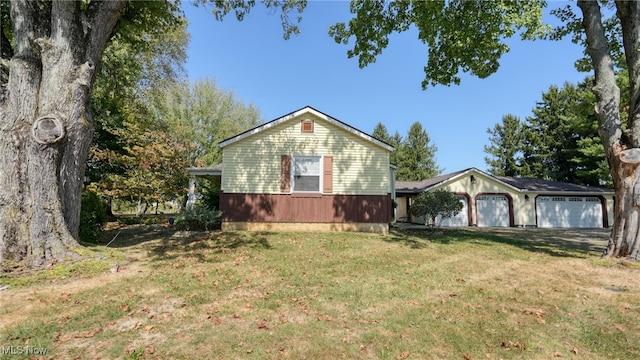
(623, 150)
(46, 124)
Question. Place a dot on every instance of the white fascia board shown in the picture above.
(301, 112)
(477, 172)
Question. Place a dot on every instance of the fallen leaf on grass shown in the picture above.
(88, 334)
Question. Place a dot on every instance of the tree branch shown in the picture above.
(98, 23)
(605, 88)
(629, 15)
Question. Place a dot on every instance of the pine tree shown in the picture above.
(380, 132)
(560, 144)
(505, 152)
(416, 155)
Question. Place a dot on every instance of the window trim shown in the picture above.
(320, 173)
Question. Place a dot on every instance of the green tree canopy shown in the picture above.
(462, 36)
(203, 114)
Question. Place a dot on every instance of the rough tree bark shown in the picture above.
(622, 148)
(46, 123)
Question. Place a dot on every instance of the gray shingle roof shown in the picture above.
(419, 186)
(540, 185)
(521, 183)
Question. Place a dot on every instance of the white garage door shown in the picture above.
(493, 210)
(568, 212)
(461, 219)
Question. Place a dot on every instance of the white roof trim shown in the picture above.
(470, 170)
(300, 112)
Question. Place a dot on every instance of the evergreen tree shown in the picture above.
(416, 156)
(558, 142)
(380, 132)
(560, 137)
(505, 151)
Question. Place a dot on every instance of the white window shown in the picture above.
(306, 173)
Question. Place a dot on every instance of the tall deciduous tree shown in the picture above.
(469, 36)
(48, 68)
(505, 150)
(203, 114)
(136, 67)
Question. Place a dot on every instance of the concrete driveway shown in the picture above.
(590, 240)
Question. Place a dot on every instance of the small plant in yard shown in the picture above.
(436, 203)
(198, 218)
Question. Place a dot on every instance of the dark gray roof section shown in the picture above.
(412, 187)
(520, 183)
(539, 185)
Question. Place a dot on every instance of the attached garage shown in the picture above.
(493, 210)
(505, 201)
(569, 212)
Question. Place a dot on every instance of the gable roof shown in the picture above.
(421, 185)
(304, 110)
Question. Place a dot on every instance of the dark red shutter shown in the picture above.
(285, 173)
(327, 181)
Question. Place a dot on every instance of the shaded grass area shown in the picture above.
(412, 294)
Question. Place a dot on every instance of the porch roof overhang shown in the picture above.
(204, 171)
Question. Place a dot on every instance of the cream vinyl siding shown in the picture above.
(252, 165)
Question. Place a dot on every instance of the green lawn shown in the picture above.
(444, 294)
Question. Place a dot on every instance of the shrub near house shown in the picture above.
(436, 204)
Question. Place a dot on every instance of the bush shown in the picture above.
(436, 203)
(93, 217)
(198, 218)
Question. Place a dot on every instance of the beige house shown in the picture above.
(501, 201)
(306, 171)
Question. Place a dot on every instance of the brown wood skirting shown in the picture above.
(312, 209)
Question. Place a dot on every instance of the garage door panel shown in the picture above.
(461, 219)
(568, 212)
(493, 210)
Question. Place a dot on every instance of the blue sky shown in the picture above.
(279, 76)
